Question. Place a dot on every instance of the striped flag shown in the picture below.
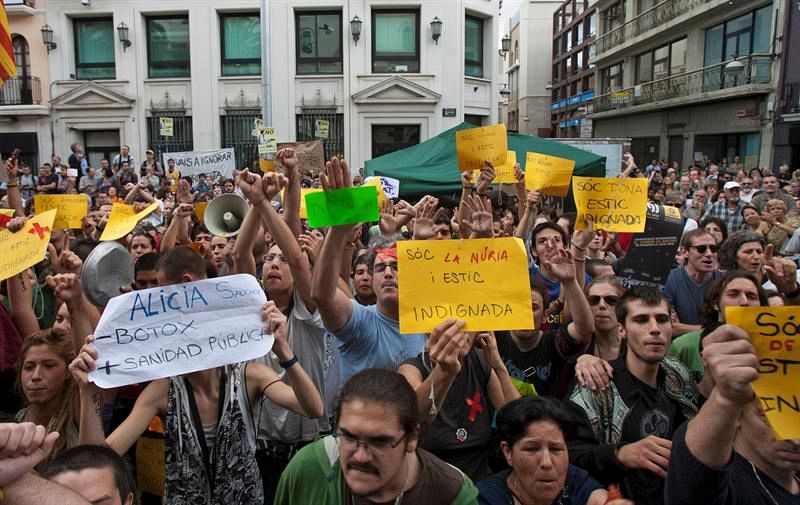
(8, 68)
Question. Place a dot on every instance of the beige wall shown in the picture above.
(30, 26)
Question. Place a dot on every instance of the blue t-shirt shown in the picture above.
(552, 321)
(685, 296)
(372, 340)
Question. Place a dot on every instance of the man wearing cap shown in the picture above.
(151, 161)
(729, 210)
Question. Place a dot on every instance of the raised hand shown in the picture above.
(424, 222)
(276, 324)
(404, 212)
(85, 362)
(562, 265)
(487, 341)
(532, 199)
(67, 287)
(388, 222)
(731, 360)
(273, 183)
(466, 179)
(445, 344)
(519, 175)
(781, 271)
(184, 211)
(22, 447)
(336, 175)
(485, 178)
(311, 244)
(287, 157)
(583, 238)
(251, 185)
(479, 222)
(67, 262)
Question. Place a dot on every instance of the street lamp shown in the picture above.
(734, 69)
(355, 28)
(505, 46)
(505, 92)
(122, 31)
(436, 29)
(47, 38)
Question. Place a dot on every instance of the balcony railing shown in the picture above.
(21, 91)
(645, 22)
(791, 98)
(757, 70)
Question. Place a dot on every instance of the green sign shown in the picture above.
(342, 206)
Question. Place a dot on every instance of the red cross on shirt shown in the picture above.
(474, 406)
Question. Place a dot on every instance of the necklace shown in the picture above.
(758, 478)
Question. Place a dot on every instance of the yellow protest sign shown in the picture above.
(303, 193)
(123, 220)
(200, 210)
(476, 145)
(458, 278)
(376, 181)
(775, 333)
(25, 248)
(150, 467)
(503, 174)
(614, 204)
(548, 174)
(71, 208)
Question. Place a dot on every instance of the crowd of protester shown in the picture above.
(614, 395)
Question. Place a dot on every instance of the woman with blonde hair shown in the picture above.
(775, 227)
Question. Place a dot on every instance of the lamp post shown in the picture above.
(122, 31)
(355, 28)
(436, 29)
(47, 38)
(505, 46)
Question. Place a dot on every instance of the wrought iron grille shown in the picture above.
(791, 98)
(334, 144)
(237, 128)
(182, 134)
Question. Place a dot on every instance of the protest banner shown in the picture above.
(214, 163)
(27, 247)
(200, 210)
(342, 206)
(548, 174)
(651, 254)
(775, 333)
(123, 219)
(179, 329)
(375, 182)
(477, 145)
(459, 279)
(310, 155)
(614, 204)
(71, 208)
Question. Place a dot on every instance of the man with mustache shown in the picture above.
(374, 456)
(625, 430)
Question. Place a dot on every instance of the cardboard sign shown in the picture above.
(123, 220)
(342, 206)
(775, 333)
(179, 329)
(200, 211)
(166, 127)
(614, 204)
(321, 128)
(476, 145)
(71, 208)
(310, 155)
(459, 278)
(548, 174)
(27, 247)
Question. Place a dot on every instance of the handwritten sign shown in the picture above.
(200, 211)
(303, 193)
(25, 248)
(179, 329)
(775, 333)
(375, 182)
(310, 155)
(548, 174)
(458, 278)
(166, 126)
(71, 208)
(123, 219)
(267, 141)
(321, 128)
(614, 204)
(342, 206)
(503, 174)
(476, 145)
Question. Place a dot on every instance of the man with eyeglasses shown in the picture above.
(686, 284)
(624, 431)
(375, 455)
(748, 190)
(730, 209)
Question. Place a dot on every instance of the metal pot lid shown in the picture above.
(107, 269)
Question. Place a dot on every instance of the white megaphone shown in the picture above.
(224, 215)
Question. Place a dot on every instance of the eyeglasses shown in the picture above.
(609, 299)
(271, 257)
(703, 248)
(373, 445)
(381, 267)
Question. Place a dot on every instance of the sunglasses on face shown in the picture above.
(609, 299)
(703, 248)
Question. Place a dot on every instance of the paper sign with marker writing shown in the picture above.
(374, 182)
(548, 174)
(342, 206)
(476, 145)
(123, 220)
(26, 247)
(503, 174)
(390, 186)
(71, 208)
(459, 279)
(775, 333)
(303, 193)
(179, 329)
(614, 204)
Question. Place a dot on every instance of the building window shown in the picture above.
(646, 5)
(395, 42)
(555, 72)
(474, 119)
(94, 49)
(334, 144)
(557, 21)
(473, 47)
(390, 138)
(168, 47)
(579, 61)
(662, 62)
(568, 36)
(614, 16)
(182, 137)
(580, 6)
(237, 126)
(556, 46)
(592, 22)
(611, 78)
(241, 44)
(741, 36)
(319, 42)
(578, 33)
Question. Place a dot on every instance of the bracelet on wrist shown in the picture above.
(288, 364)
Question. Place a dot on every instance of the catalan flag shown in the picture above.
(8, 68)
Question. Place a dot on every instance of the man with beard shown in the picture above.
(625, 430)
(729, 210)
(686, 284)
(374, 456)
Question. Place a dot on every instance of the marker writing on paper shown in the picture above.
(172, 301)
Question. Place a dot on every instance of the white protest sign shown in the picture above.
(179, 329)
(391, 187)
(213, 162)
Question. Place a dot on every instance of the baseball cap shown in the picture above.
(731, 185)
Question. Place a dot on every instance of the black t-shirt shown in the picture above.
(545, 365)
(462, 430)
(44, 180)
(651, 413)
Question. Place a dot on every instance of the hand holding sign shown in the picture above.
(613, 204)
(24, 248)
(548, 174)
(477, 145)
(340, 204)
(731, 360)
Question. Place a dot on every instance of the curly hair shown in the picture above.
(727, 255)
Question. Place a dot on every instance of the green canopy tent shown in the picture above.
(430, 167)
